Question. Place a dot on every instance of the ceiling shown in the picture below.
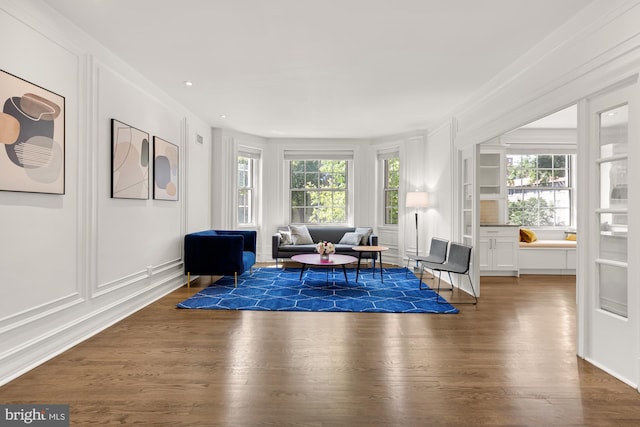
(564, 119)
(319, 68)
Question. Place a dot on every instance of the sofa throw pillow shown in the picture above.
(527, 235)
(351, 238)
(300, 235)
(285, 238)
(366, 233)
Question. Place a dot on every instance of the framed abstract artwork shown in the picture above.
(32, 137)
(129, 162)
(165, 170)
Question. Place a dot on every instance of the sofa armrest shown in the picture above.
(373, 240)
(250, 238)
(275, 245)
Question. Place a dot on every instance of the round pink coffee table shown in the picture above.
(334, 260)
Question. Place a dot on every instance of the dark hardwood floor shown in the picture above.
(509, 361)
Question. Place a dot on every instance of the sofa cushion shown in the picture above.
(351, 238)
(331, 234)
(310, 249)
(366, 233)
(285, 238)
(300, 235)
(298, 248)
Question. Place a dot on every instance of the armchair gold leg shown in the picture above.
(235, 279)
(188, 280)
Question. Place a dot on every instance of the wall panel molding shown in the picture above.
(51, 308)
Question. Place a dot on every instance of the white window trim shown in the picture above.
(256, 156)
(347, 155)
(382, 156)
(573, 176)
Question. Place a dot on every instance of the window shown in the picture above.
(318, 191)
(391, 167)
(540, 191)
(247, 177)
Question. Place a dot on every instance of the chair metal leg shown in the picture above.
(475, 298)
(433, 276)
(406, 273)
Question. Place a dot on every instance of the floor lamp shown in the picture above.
(417, 200)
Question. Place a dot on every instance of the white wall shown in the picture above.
(401, 238)
(73, 264)
(439, 178)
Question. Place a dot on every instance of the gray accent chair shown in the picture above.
(437, 255)
(458, 262)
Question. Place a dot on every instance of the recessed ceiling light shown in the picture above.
(188, 83)
(612, 113)
(223, 116)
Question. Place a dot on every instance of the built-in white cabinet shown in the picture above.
(499, 250)
(492, 185)
(490, 174)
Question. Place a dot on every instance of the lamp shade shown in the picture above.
(417, 199)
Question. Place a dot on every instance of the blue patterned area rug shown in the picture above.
(321, 289)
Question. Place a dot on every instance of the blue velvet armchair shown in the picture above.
(219, 252)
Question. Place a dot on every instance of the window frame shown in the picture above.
(386, 189)
(569, 188)
(254, 159)
(348, 189)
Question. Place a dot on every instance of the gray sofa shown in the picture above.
(319, 233)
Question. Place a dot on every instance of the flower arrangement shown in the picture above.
(325, 248)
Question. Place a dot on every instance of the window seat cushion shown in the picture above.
(549, 244)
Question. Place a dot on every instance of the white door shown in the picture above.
(611, 196)
(467, 173)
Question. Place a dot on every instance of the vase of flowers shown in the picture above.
(325, 249)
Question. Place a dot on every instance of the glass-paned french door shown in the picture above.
(609, 197)
(612, 213)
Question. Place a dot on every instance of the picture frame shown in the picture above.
(166, 169)
(32, 137)
(129, 162)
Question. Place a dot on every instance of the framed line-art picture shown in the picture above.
(129, 162)
(165, 170)
(32, 137)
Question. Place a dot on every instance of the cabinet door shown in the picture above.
(505, 253)
(485, 254)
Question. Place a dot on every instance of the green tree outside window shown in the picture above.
(539, 190)
(318, 191)
(391, 190)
